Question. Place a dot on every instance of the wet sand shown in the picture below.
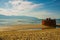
(22, 27)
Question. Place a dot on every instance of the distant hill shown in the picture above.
(18, 17)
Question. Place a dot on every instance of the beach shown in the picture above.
(29, 32)
(46, 34)
(29, 19)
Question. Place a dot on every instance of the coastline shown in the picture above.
(24, 27)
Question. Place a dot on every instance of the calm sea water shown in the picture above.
(18, 21)
(21, 21)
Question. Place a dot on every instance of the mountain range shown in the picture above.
(18, 17)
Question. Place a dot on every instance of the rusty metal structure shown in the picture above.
(49, 22)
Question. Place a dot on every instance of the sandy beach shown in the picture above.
(22, 32)
(46, 34)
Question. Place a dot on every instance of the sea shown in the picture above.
(18, 21)
(9, 22)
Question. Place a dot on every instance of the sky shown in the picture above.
(34, 8)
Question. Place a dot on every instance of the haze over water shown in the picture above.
(21, 21)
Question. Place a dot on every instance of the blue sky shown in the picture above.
(34, 8)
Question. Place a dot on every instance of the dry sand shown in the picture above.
(46, 34)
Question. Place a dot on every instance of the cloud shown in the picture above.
(40, 14)
(23, 5)
(18, 7)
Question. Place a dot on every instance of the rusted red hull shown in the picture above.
(49, 22)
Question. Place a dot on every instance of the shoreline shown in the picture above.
(25, 27)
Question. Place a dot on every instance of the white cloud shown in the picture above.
(23, 5)
(19, 7)
(39, 14)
